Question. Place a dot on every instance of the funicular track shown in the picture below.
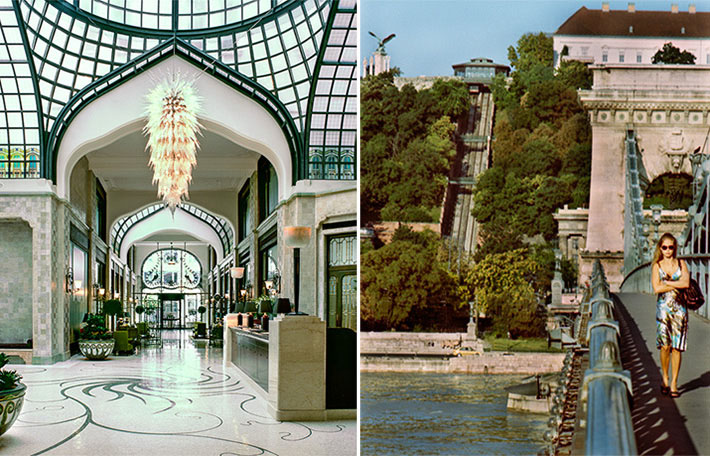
(472, 158)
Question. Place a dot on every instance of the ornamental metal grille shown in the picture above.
(342, 251)
(172, 269)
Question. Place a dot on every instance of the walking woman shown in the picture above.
(668, 275)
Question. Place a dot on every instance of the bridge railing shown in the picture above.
(605, 391)
(606, 387)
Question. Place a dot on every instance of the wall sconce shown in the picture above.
(69, 281)
(297, 237)
(236, 273)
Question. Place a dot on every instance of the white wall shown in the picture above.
(629, 46)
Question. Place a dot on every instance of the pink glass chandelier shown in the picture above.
(172, 130)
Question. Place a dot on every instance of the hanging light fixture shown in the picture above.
(172, 130)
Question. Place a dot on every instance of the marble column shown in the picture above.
(297, 368)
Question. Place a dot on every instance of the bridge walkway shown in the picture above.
(663, 425)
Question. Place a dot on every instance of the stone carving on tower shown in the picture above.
(676, 148)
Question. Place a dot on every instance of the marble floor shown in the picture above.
(176, 400)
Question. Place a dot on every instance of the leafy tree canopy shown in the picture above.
(402, 279)
(671, 54)
(541, 151)
(407, 147)
(504, 285)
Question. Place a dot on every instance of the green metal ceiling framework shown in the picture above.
(218, 224)
(296, 58)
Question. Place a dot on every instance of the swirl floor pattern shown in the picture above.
(179, 399)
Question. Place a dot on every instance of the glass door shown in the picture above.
(342, 282)
(171, 311)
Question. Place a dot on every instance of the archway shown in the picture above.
(100, 123)
(670, 190)
(189, 219)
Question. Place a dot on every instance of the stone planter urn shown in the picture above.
(10, 406)
(96, 349)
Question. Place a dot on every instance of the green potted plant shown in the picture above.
(95, 341)
(201, 310)
(12, 395)
(140, 309)
(112, 308)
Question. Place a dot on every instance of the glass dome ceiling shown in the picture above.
(301, 53)
(190, 14)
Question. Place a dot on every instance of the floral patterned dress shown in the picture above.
(671, 317)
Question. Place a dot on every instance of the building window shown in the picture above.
(268, 189)
(19, 163)
(331, 164)
(621, 57)
(100, 220)
(244, 212)
(638, 58)
(245, 282)
(268, 261)
(342, 282)
(605, 57)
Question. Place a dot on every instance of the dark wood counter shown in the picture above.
(250, 353)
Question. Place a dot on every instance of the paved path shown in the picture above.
(663, 425)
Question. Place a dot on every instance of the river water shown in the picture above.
(444, 414)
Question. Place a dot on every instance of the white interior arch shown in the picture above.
(163, 220)
(224, 111)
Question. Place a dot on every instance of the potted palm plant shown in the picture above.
(95, 341)
(12, 395)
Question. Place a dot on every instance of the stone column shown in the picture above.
(297, 368)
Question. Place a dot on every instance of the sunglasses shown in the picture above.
(667, 247)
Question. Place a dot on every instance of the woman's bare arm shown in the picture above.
(658, 285)
(684, 280)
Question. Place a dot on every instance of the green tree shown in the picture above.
(575, 74)
(403, 279)
(671, 54)
(407, 147)
(452, 98)
(504, 286)
(533, 49)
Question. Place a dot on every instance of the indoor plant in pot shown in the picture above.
(95, 341)
(12, 395)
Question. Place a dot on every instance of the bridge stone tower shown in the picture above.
(666, 109)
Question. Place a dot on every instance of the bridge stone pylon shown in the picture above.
(666, 108)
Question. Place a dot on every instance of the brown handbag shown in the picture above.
(691, 297)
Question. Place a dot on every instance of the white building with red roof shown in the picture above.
(631, 36)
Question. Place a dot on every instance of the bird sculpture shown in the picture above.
(381, 45)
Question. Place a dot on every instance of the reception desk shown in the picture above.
(286, 365)
(249, 351)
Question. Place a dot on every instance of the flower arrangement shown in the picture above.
(95, 329)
